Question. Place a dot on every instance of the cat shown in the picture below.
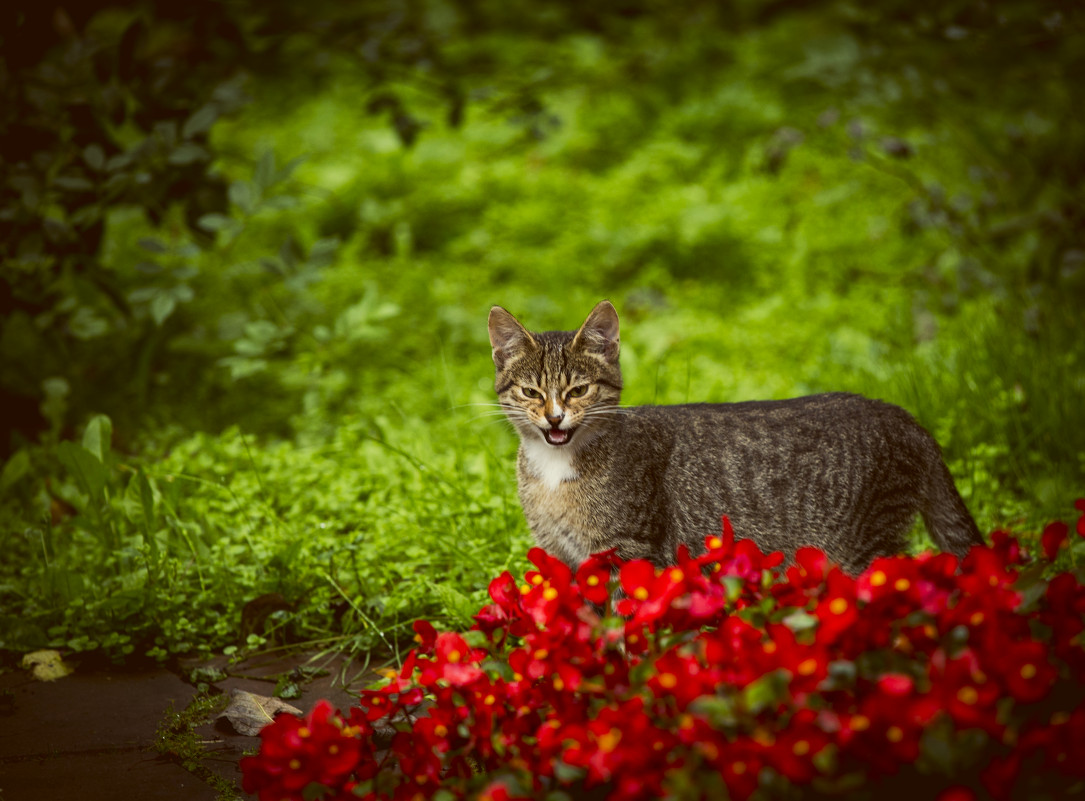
(837, 471)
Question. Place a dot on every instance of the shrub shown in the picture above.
(724, 673)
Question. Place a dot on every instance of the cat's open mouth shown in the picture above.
(557, 436)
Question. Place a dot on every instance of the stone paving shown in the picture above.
(92, 734)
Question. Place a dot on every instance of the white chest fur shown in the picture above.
(550, 465)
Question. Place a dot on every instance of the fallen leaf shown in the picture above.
(46, 665)
(248, 713)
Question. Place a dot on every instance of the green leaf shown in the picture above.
(285, 687)
(85, 324)
(139, 506)
(281, 202)
(766, 691)
(187, 152)
(118, 162)
(73, 183)
(98, 436)
(94, 156)
(215, 222)
(800, 620)
(89, 472)
(63, 584)
(242, 195)
(717, 710)
(200, 121)
(162, 307)
(288, 168)
(263, 175)
(153, 245)
(14, 469)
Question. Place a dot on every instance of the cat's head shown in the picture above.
(559, 387)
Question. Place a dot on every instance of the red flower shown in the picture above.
(1079, 504)
(1025, 670)
(836, 610)
(425, 635)
(793, 750)
(1053, 538)
(454, 660)
(594, 575)
(804, 578)
(966, 693)
(638, 578)
(721, 673)
(1000, 775)
(957, 793)
(739, 762)
(681, 677)
(295, 753)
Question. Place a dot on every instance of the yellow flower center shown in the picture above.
(763, 736)
(968, 695)
(609, 741)
(641, 593)
(838, 606)
(668, 681)
(878, 578)
(894, 734)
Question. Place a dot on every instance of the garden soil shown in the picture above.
(115, 734)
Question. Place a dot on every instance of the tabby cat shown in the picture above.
(841, 472)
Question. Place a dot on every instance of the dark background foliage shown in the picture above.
(262, 238)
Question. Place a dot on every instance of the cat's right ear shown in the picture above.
(507, 336)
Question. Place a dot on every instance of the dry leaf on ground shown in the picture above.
(46, 665)
(248, 713)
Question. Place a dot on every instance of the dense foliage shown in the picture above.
(248, 250)
(725, 676)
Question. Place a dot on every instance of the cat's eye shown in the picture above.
(534, 394)
(578, 391)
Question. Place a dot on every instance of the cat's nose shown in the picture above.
(555, 417)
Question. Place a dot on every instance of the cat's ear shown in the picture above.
(507, 336)
(599, 334)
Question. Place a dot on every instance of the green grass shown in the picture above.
(308, 421)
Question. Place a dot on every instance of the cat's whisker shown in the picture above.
(487, 417)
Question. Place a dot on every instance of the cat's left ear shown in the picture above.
(599, 334)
